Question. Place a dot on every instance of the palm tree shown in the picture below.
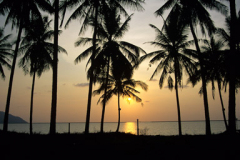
(232, 69)
(92, 9)
(215, 58)
(172, 40)
(112, 52)
(115, 51)
(5, 52)
(232, 38)
(20, 13)
(193, 13)
(37, 52)
(55, 70)
(119, 86)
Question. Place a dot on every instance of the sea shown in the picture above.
(141, 128)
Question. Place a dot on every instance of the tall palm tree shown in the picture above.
(231, 36)
(20, 13)
(38, 52)
(55, 70)
(193, 14)
(112, 52)
(232, 69)
(110, 31)
(172, 40)
(86, 9)
(215, 58)
(5, 52)
(119, 86)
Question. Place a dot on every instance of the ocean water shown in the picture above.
(145, 128)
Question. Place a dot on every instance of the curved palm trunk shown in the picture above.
(5, 123)
(204, 87)
(91, 75)
(119, 109)
(89, 104)
(55, 70)
(223, 109)
(232, 70)
(105, 93)
(31, 103)
(178, 105)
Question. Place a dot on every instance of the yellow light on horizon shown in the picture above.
(130, 127)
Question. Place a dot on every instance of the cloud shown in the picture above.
(153, 80)
(81, 84)
(147, 101)
(184, 86)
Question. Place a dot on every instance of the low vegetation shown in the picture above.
(108, 145)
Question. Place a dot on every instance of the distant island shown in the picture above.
(11, 118)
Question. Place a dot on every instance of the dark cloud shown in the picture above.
(184, 86)
(153, 80)
(81, 84)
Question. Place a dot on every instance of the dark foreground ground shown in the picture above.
(118, 146)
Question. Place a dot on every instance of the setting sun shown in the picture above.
(129, 98)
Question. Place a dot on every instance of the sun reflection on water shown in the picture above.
(130, 127)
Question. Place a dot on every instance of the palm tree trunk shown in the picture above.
(223, 109)
(91, 74)
(55, 70)
(119, 109)
(178, 104)
(89, 104)
(5, 123)
(204, 87)
(31, 103)
(232, 70)
(105, 93)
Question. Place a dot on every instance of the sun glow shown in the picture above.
(129, 99)
(130, 127)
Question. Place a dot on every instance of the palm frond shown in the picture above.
(166, 6)
(84, 55)
(124, 28)
(83, 41)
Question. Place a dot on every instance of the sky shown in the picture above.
(158, 104)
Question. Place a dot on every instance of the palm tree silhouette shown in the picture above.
(5, 52)
(114, 51)
(38, 52)
(20, 12)
(193, 14)
(119, 86)
(90, 11)
(172, 40)
(231, 36)
(215, 60)
(111, 52)
(54, 69)
(232, 68)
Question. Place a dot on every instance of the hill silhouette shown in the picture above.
(11, 118)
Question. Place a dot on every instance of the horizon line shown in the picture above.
(125, 121)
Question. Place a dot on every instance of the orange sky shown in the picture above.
(159, 105)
